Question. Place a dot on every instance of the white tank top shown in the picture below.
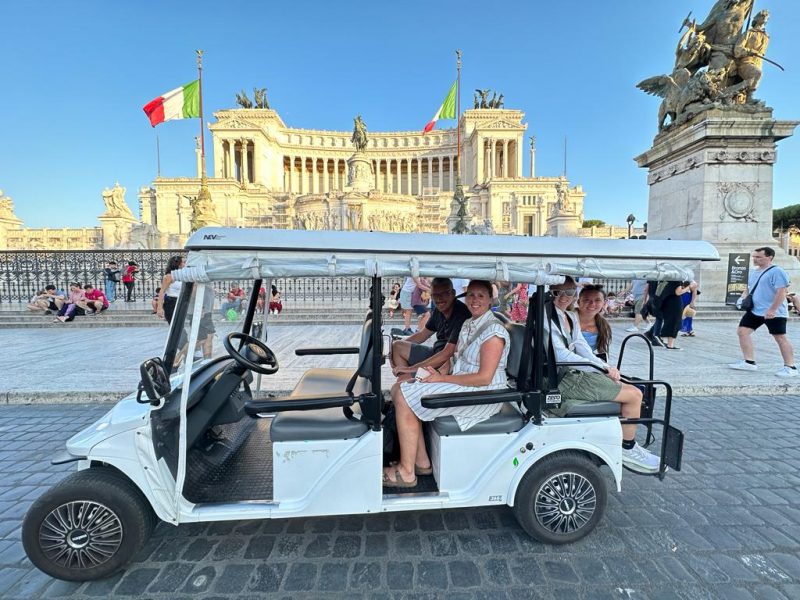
(174, 289)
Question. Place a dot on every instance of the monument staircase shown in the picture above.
(139, 314)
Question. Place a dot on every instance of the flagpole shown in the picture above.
(203, 213)
(458, 111)
(202, 128)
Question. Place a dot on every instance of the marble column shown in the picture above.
(408, 176)
(245, 169)
(505, 158)
(219, 159)
(452, 175)
(326, 182)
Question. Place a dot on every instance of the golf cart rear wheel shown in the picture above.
(88, 526)
(561, 498)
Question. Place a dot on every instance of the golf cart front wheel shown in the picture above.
(88, 526)
(561, 498)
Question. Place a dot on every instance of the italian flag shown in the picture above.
(446, 111)
(180, 103)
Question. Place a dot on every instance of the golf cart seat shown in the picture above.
(509, 419)
(328, 423)
(328, 381)
(595, 409)
(319, 380)
(323, 424)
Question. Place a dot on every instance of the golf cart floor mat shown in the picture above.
(235, 466)
(425, 484)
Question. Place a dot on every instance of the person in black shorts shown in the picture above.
(448, 315)
(767, 286)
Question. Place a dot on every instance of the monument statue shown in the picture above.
(476, 100)
(243, 101)
(114, 200)
(748, 53)
(260, 96)
(484, 95)
(7, 207)
(359, 137)
(717, 64)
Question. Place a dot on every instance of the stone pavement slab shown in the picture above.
(84, 365)
(726, 527)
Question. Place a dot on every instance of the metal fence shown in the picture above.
(23, 273)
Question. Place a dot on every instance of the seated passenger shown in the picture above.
(580, 385)
(595, 329)
(409, 354)
(480, 365)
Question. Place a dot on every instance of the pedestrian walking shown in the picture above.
(519, 302)
(638, 288)
(688, 299)
(669, 293)
(764, 302)
(170, 290)
(111, 274)
(129, 278)
(653, 307)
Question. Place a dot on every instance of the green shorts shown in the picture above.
(580, 387)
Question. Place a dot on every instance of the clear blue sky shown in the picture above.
(75, 75)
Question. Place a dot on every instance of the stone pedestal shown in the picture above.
(116, 230)
(563, 225)
(711, 179)
(360, 176)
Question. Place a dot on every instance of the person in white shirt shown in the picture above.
(580, 385)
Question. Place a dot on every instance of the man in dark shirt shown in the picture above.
(410, 354)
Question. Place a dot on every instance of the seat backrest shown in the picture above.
(365, 351)
(516, 332)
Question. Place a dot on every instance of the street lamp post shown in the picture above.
(631, 219)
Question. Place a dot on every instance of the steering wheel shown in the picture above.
(252, 354)
(155, 381)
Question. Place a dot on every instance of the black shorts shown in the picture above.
(776, 326)
(421, 309)
(53, 306)
(418, 353)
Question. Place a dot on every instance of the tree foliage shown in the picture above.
(594, 223)
(786, 216)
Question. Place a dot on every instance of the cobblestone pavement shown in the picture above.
(727, 527)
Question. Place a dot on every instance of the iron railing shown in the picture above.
(23, 273)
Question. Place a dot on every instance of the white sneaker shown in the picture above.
(743, 366)
(640, 460)
(632, 329)
(785, 371)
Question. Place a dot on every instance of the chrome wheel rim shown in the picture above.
(565, 503)
(80, 535)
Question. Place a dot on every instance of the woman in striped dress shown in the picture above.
(481, 355)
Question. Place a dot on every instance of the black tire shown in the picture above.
(561, 498)
(88, 526)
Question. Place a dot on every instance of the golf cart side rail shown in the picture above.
(471, 398)
(326, 351)
(310, 402)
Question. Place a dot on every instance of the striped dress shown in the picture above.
(466, 362)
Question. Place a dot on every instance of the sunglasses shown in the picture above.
(570, 293)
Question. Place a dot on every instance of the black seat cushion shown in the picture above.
(324, 424)
(328, 381)
(508, 420)
(595, 409)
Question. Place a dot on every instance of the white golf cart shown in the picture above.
(196, 444)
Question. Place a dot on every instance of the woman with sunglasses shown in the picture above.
(581, 385)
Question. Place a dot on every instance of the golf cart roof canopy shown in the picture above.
(232, 253)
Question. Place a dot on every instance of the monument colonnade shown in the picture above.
(309, 172)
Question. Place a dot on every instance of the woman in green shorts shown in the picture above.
(580, 385)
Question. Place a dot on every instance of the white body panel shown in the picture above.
(328, 477)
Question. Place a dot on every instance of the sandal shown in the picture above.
(398, 481)
(417, 469)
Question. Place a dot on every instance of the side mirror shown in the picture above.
(155, 381)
